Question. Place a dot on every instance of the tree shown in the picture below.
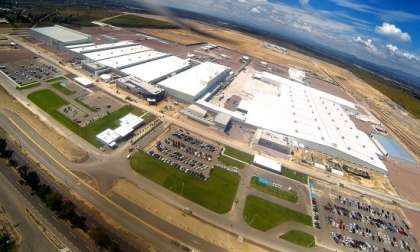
(3, 145)
(23, 170)
(53, 201)
(67, 210)
(102, 239)
(13, 162)
(43, 191)
(33, 180)
(6, 153)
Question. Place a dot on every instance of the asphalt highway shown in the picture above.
(48, 156)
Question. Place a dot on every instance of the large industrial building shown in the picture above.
(101, 47)
(151, 93)
(157, 70)
(59, 37)
(132, 59)
(115, 52)
(315, 119)
(191, 84)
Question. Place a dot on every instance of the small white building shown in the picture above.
(83, 81)
(267, 163)
(108, 137)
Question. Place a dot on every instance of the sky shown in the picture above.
(385, 32)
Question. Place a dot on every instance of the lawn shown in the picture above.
(264, 215)
(231, 162)
(299, 238)
(286, 195)
(140, 22)
(247, 158)
(50, 102)
(28, 85)
(295, 175)
(216, 194)
(62, 89)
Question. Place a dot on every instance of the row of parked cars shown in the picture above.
(181, 135)
(178, 166)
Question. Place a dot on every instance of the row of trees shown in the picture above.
(61, 206)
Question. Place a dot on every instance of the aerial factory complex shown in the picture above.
(217, 149)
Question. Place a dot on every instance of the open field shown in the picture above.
(289, 196)
(136, 21)
(299, 238)
(231, 162)
(247, 158)
(264, 215)
(216, 194)
(295, 175)
(50, 102)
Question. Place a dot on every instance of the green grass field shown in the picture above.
(216, 194)
(50, 102)
(231, 162)
(28, 85)
(140, 22)
(289, 196)
(62, 89)
(299, 238)
(295, 175)
(247, 158)
(264, 215)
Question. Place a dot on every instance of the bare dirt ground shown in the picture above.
(414, 219)
(180, 219)
(66, 147)
(405, 179)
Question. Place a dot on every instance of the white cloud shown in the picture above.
(367, 43)
(395, 51)
(255, 10)
(393, 31)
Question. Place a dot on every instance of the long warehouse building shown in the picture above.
(157, 70)
(116, 52)
(59, 36)
(191, 84)
(132, 59)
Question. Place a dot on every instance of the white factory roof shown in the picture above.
(313, 116)
(79, 45)
(83, 81)
(93, 48)
(62, 34)
(115, 52)
(132, 59)
(267, 163)
(130, 120)
(155, 70)
(123, 131)
(296, 74)
(108, 136)
(194, 80)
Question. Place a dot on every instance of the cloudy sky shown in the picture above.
(386, 32)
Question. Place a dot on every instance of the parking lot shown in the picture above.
(355, 224)
(186, 152)
(29, 71)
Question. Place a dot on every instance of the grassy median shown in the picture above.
(295, 175)
(264, 215)
(216, 194)
(299, 238)
(243, 156)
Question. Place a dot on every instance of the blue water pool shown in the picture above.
(394, 149)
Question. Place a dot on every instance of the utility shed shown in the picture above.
(222, 120)
(59, 36)
(267, 163)
(197, 110)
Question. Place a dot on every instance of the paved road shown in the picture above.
(15, 204)
(48, 156)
